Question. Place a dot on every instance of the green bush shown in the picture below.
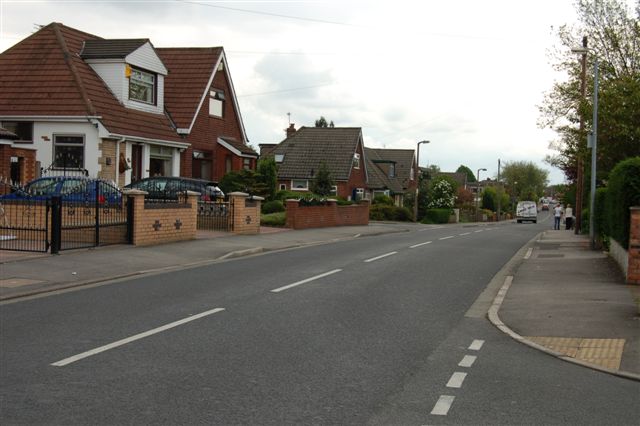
(387, 212)
(284, 195)
(274, 219)
(623, 192)
(436, 216)
(600, 219)
(383, 199)
(341, 201)
(274, 206)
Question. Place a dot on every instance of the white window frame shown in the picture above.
(294, 188)
(283, 187)
(216, 103)
(57, 144)
(140, 81)
(356, 161)
(246, 163)
(334, 190)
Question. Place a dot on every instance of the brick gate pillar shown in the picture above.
(246, 213)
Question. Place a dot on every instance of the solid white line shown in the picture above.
(442, 406)
(277, 290)
(466, 233)
(456, 380)
(476, 345)
(479, 230)
(446, 238)
(529, 251)
(113, 345)
(421, 244)
(380, 257)
(467, 361)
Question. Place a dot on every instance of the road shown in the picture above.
(374, 330)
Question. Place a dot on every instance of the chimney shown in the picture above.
(291, 130)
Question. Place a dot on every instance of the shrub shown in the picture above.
(341, 201)
(436, 216)
(274, 219)
(274, 206)
(284, 195)
(383, 199)
(402, 214)
(387, 212)
(623, 192)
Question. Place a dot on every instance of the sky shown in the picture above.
(466, 75)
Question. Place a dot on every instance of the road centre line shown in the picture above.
(476, 345)
(446, 238)
(465, 233)
(442, 406)
(456, 380)
(286, 287)
(421, 244)
(467, 361)
(381, 256)
(139, 336)
(479, 230)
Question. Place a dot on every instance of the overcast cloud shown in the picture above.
(465, 74)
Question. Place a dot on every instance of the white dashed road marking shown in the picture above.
(286, 287)
(381, 256)
(446, 238)
(421, 244)
(113, 345)
(464, 233)
(442, 406)
(479, 230)
(467, 361)
(476, 345)
(456, 380)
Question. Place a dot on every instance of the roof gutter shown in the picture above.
(172, 144)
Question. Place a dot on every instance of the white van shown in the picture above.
(527, 211)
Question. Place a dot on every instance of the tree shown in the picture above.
(524, 180)
(268, 175)
(464, 169)
(431, 171)
(323, 182)
(441, 193)
(322, 122)
(612, 35)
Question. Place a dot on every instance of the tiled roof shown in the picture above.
(244, 149)
(309, 146)
(44, 75)
(113, 48)
(379, 176)
(402, 158)
(189, 73)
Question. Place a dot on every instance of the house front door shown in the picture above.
(136, 163)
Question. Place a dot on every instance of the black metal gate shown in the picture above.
(24, 225)
(215, 216)
(93, 213)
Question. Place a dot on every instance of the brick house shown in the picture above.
(119, 109)
(299, 156)
(391, 172)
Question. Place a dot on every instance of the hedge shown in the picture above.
(387, 212)
(623, 192)
(274, 206)
(436, 216)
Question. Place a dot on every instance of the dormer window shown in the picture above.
(142, 86)
(392, 170)
(216, 103)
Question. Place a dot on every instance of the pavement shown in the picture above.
(555, 295)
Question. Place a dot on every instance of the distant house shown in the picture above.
(300, 155)
(391, 172)
(119, 109)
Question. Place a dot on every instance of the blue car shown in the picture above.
(70, 188)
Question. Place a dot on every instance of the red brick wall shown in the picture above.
(207, 129)
(27, 158)
(299, 217)
(633, 271)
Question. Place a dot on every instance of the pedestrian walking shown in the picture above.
(557, 216)
(568, 217)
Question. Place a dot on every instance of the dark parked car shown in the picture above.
(70, 188)
(168, 188)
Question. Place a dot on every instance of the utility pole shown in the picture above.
(580, 163)
(499, 190)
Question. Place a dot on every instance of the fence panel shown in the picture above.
(24, 225)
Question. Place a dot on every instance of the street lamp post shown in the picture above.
(415, 202)
(499, 190)
(580, 166)
(478, 191)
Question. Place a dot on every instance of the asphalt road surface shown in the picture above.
(374, 330)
